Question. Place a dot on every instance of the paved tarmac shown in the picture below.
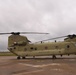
(65, 65)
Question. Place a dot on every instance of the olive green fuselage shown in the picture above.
(42, 49)
(20, 46)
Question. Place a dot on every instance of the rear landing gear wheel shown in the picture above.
(54, 57)
(18, 57)
(33, 56)
(61, 55)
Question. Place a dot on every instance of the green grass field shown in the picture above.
(6, 54)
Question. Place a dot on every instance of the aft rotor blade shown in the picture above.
(51, 39)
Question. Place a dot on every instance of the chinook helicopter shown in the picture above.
(21, 46)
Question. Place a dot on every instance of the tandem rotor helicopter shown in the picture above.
(21, 46)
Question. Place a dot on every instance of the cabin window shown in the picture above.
(35, 48)
(31, 48)
(46, 47)
(56, 47)
(25, 49)
(14, 47)
(68, 46)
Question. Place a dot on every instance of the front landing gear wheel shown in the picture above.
(23, 57)
(54, 57)
(18, 57)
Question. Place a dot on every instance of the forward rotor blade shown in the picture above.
(32, 33)
(23, 33)
(4, 33)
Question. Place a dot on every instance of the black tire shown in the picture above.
(54, 57)
(23, 57)
(18, 57)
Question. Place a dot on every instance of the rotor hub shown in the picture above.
(15, 33)
(72, 36)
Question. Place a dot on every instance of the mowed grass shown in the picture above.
(6, 54)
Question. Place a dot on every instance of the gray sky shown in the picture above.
(57, 17)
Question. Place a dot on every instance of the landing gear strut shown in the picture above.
(54, 57)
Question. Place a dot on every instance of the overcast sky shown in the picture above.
(57, 17)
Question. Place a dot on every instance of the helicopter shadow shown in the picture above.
(49, 58)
